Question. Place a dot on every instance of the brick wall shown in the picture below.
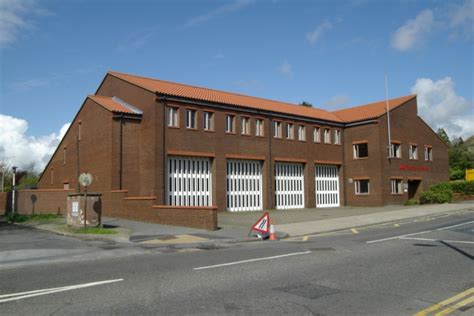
(42, 201)
(3, 202)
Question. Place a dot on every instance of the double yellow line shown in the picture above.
(450, 305)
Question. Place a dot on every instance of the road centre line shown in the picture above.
(252, 260)
(429, 239)
(23, 295)
(397, 237)
(445, 303)
(462, 224)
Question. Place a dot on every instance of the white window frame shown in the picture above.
(173, 118)
(337, 137)
(302, 133)
(259, 127)
(230, 124)
(413, 152)
(290, 131)
(357, 187)
(317, 135)
(208, 121)
(428, 153)
(327, 136)
(396, 150)
(191, 119)
(396, 186)
(277, 129)
(356, 150)
(245, 125)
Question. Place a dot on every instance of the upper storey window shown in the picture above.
(337, 137)
(173, 117)
(191, 119)
(428, 153)
(361, 150)
(230, 123)
(259, 127)
(208, 121)
(277, 129)
(289, 134)
(327, 136)
(396, 150)
(245, 125)
(413, 152)
(302, 133)
(317, 135)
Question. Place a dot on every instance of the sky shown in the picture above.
(333, 54)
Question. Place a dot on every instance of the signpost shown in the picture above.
(85, 179)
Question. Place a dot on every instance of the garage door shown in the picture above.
(189, 181)
(327, 186)
(244, 185)
(289, 185)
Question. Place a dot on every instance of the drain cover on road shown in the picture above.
(307, 290)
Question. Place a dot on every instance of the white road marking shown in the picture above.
(396, 237)
(429, 239)
(252, 260)
(23, 295)
(462, 224)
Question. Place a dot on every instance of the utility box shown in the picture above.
(78, 211)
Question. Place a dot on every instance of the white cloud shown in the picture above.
(26, 152)
(15, 18)
(286, 69)
(223, 9)
(461, 19)
(314, 36)
(412, 32)
(337, 100)
(440, 106)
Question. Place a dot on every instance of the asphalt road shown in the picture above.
(394, 269)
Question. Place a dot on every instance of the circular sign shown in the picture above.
(85, 179)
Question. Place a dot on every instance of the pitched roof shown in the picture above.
(210, 95)
(114, 104)
(370, 111)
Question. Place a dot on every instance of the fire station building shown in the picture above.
(157, 147)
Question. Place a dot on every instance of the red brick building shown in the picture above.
(159, 146)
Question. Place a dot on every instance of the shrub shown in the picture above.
(464, 187)
(411, 202)
(436, 196)
(456, 174)
(16, 218)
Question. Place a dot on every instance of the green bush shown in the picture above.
(456, 174)
(16, 218)
(411, 202)
(436, 196)
(463, 187)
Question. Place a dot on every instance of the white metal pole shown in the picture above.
(13, 190)
(390, 154)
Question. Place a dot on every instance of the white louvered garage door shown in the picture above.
(244, 185)
(327, 186)
(289, 185)
(189, 181)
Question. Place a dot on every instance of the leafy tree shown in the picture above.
(444, 136)
(304, 103)
(29, 180)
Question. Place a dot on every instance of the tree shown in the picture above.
(460, 159)
(304, 103)
(28, 181)
(4, 168)
(444, 136)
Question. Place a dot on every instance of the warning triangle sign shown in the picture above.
(263, 224)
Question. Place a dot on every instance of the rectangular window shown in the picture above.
(208, 121)
(289, 131)
(317, 135)
(79, 131)
(172, 117)
(230, 123)
(277, 129)
(396, 186)
(396, 150)
(428, 154)
(327, 136)
(52, 176)
(64, 155)
(337, 137)
(413, 152)
(302, 133)
(259, 127)
(361, 150)
(191, 119)
(245, 125)
(362, 187)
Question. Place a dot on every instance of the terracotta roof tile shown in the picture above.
(370, 111)
(113, 104)
(210, 95)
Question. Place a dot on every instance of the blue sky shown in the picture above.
(332, 54)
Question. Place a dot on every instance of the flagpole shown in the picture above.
(390, 154)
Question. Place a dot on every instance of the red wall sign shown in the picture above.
(413, 168)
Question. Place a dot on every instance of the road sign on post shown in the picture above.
(85, 179)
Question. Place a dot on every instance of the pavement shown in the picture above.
(234, 227)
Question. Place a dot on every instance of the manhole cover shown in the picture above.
(308, 290)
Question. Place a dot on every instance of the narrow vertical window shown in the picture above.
(277, 129)
(428, 153)
(259, 127)
(52, 175)
(337, 137)
(191, 119)
(289, 131)
(172, 117)
(395, 151)
(396, 185)
(64, 155)
(208, 121)
(245, 126)
(79, 131)
(327, 136)
(317, 135)
(229, 123)
(413, 152)
(302, 133)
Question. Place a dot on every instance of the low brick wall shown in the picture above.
(3, 202)
(462, 197)
(42, 201)
(196, 217)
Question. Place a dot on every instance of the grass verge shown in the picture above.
(92, 231)
(21, 218)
